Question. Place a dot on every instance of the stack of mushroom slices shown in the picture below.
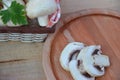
(84, 62)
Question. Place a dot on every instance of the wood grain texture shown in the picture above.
(93, 26)
(69, 6)
(21, 61)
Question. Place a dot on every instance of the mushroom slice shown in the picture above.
(93, 61)
(76, 74)
(70, 52)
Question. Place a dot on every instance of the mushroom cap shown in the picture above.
(37, 8)
(67, 53)
(76, 74)
(88, 62)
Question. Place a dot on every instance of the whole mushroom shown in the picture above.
(40, 9)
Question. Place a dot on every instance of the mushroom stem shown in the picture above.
(101, 60)
(43, 21)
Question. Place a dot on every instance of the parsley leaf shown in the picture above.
(15, 13)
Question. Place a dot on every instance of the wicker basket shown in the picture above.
(32, 32)
(29, 33)
(22, 37)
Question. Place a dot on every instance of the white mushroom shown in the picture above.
(43, 21)
(70, 52)
(40, 9)
(93, 61)
(1, 22)
(76, 74)
(8, 3)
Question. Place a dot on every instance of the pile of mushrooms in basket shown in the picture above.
(17, 12)
(84, 62)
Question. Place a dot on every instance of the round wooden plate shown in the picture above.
(92, 27)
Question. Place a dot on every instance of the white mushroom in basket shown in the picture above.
(8, 2)
(93, 61)
(76, 74)
(40, 9)
(69, 53)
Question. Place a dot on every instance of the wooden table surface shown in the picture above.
(21, 61)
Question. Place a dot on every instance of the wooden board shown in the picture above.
(93, 26)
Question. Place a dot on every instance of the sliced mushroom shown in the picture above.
(76, 74)
(93, 61)
(70, 52)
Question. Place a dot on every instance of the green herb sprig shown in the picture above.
(16, 13)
